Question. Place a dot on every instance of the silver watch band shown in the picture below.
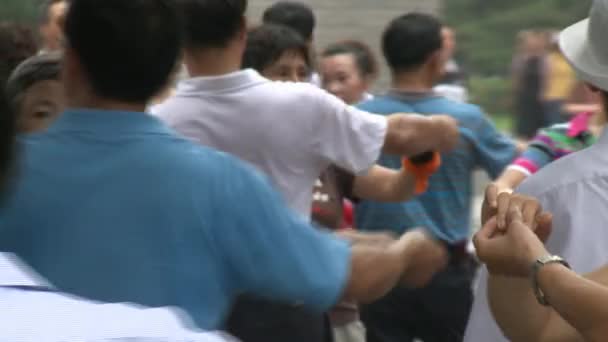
(540, 263)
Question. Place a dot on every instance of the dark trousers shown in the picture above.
(258, 320)
(436, 313)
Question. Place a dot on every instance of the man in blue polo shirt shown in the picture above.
(112, 205)
(440, 311)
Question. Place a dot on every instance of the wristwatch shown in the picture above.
(538, 265)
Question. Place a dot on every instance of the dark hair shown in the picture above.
(8, 132)
(43, 12)
(410, 40)
(35, 69)
(364, 57)
(17, 43)
(211, 23)
(267, 43)
(127, 48)
(295, 15)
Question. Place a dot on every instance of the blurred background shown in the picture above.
(486, 32)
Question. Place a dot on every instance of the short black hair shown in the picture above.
(44, 67)
(45, 7)
(128, 48)
(410, 40)
(267, 43)
(17, 43)
(211, 23)
(295, 15)
(364, 57)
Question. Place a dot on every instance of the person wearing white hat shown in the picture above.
(575, 190)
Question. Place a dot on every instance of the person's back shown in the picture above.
(439, 311)
(125, 179)
(281, 136)
(446, 206)
(112, 205)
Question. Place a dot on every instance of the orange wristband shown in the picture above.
(422, 172)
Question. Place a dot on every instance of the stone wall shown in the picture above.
(353, 19)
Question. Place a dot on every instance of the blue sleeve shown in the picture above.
(272, 251)
(494, 150)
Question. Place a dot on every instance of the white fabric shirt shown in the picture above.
(453, 92)
(575, 190)
(39, 316)
(290, 131)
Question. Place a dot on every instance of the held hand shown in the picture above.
(529, 208)
(447, 131)
(489, 208)
(425, 257)
(511, 252)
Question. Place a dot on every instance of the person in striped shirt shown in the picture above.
(549, 145)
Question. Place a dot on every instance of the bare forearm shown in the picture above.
(580, 303)
(370, 239)
(510, 179)
(515, 308)
(411, 135)
(385, 185)
(374, 272)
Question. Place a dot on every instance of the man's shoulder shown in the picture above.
(432, 104)
(263, 94)
(574, 169)
(384, 105)
(162, 151)
(449, 106)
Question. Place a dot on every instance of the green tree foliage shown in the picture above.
(487, 29)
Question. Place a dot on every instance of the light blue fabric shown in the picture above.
(445, 209)
(115, 207)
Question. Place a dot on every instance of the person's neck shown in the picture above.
(414, 82)
(213, 62)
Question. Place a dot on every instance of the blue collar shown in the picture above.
(108, 123)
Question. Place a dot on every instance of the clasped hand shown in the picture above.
(515, 228)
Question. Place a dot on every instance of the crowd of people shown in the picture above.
(183, 171)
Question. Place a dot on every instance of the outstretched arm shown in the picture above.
(578, 305)
(410, 134)
(385, 185)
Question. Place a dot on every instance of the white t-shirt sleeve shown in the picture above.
(30, 316)
(346, 136)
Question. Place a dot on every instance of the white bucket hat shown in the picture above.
(585, 45)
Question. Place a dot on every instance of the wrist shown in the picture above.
(537, 252)
(542, 273)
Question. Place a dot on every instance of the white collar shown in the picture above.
(13, 272)
(226, 82)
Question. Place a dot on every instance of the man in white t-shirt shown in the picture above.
(292, 132)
